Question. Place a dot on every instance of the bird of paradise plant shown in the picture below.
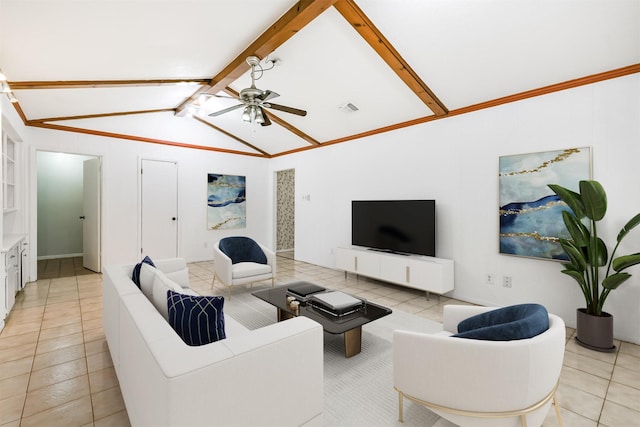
(587, 252)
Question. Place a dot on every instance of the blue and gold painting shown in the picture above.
(226, 201)
(530, 213)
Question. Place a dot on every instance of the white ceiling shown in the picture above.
(467, 52)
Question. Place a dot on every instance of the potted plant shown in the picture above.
(588, 255)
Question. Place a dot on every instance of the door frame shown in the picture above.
(33, 204)
(139, 202)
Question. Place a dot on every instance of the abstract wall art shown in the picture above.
(226, 201)
(530, 213)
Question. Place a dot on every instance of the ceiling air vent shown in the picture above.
(348, 108)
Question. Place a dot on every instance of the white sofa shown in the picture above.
(272, 376)
(475, 382)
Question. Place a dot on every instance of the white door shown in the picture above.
(91, 214)
(159, 209)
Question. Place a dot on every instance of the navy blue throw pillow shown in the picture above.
(242, 249)
(198, 320)
(514, 322)
(135, 276)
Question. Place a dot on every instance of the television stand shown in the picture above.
(388, 251)
(430, 274)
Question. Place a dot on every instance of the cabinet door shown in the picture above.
(394, 269)
(426, 275)
(11, 282)
(367, 264)
(345, 259)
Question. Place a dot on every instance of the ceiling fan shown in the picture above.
(255, 100)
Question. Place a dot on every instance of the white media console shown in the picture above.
(429, 274)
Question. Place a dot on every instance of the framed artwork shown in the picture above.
(530, 213)
(226, 201)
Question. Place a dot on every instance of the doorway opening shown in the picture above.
(68, 199)
(285, 212)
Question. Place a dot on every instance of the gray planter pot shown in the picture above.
(595, 332)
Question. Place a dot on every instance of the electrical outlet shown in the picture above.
(506, 281)
(488, 279)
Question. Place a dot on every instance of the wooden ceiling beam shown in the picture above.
(138, 138)
(230, 135)
(93, 116)
(368, 31)
(282, 30)
(88, 84)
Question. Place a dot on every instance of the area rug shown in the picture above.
(358, 391)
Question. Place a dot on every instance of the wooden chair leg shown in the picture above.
(400, 407)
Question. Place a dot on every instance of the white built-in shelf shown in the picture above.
(8, 174)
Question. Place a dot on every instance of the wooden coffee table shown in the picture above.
(349, 325)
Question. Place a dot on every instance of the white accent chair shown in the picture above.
(241, 260)
(478, 383)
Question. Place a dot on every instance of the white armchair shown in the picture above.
(241, 260)
(475, 382)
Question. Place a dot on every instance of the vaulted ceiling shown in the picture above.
(134, 69)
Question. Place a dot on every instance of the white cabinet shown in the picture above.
(429, 274)
(13, 276)
(364, 263)
(13, 251)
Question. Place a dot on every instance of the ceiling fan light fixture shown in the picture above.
(246, 114)
(259, 115)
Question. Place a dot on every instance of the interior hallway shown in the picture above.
(61, 267)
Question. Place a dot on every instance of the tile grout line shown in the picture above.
(35, 351)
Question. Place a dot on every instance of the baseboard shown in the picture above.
(40, 258)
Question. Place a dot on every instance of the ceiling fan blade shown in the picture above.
(226, 110)
(267, 121)
(268, 94)
(286, 109)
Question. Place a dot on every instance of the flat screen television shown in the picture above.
(402, 226)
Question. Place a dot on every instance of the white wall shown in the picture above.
(120, 238)
(455, 161)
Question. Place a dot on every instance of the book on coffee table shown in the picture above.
(336, 302)
(303, 290)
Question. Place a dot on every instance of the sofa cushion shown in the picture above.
(147, 274)
(242, 249)
(162, 284)
(135, 275)
(198, 320)
(514, 322)
(175, 269)
(247, 269)
(181, 277)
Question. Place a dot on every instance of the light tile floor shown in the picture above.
(55, 368)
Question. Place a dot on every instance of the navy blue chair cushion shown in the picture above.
(135, 275)
(515, 322)
(198, 320)
(242, 249)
